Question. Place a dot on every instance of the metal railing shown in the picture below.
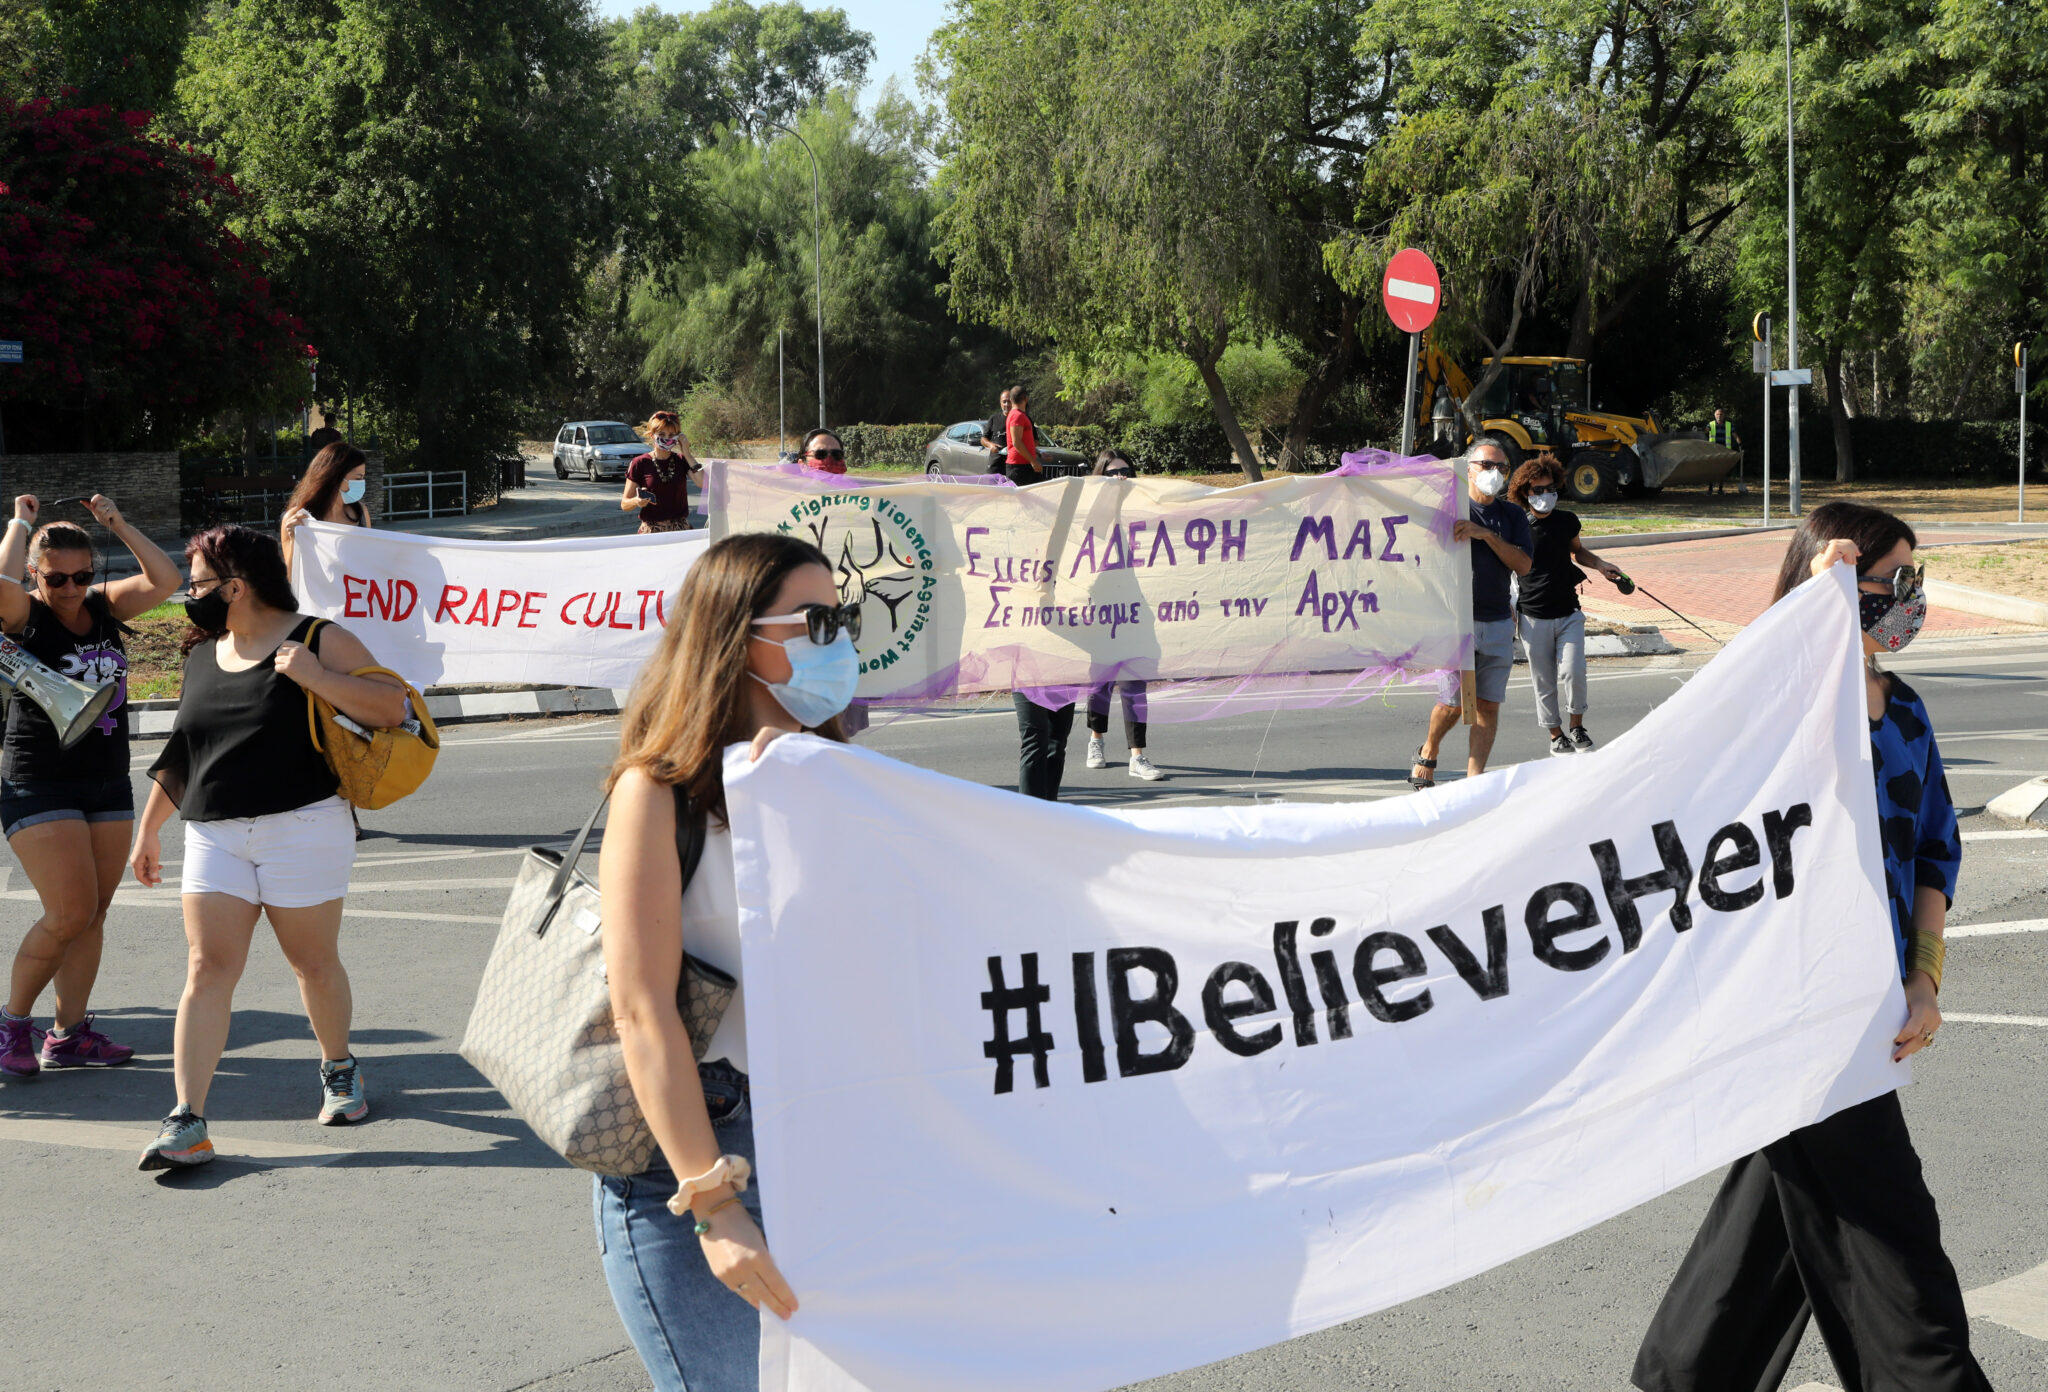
(426, 493)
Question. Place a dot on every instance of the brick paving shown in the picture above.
(1724, 583)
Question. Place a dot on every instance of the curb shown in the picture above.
(2026, 803)
(1601, 543)
(153, 719)
(1987, 604)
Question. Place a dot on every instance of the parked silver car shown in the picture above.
(959, 451)
(596, 449)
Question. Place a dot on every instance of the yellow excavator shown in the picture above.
(1539, 403)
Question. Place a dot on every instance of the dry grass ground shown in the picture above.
(2015, 568)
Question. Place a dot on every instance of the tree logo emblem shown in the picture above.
(881, 559)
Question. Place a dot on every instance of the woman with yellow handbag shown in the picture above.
(266, 830)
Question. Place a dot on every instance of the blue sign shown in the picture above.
(10, 350)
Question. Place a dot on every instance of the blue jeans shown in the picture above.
(693, 1333)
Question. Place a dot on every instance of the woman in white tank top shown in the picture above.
(759, 647)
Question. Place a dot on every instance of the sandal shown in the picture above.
(1418, 784)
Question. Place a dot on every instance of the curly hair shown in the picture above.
(1535, 470)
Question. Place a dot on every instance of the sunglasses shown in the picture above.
(828, 454)
(822, 621)
(61, 579)
(1906, 581)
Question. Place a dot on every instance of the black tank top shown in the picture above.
(241, 746)
(94, 657)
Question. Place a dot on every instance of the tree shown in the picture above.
(437, 180)
(738, 63)
(1127, 175)
(1513, 159)
(712, 318)
(121, 53)
(138, 309)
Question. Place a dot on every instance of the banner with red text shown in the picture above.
(1085, 580)
(579, 611)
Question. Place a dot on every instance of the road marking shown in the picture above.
(94, 1135)
(2029, 835)
(1992, 930)
(2035, 1021)
(2018, 1302)
(423, 917)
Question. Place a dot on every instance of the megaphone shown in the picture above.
(72, 706)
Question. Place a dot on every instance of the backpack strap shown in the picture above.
(689, 836)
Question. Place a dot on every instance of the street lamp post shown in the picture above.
(817, 256)
(1791, 287)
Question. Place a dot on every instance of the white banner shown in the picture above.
(580, 611)
(1053, 1098)
(1085, 580)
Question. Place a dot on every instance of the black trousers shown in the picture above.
(1132, 695)
(1042, 746)
(1835, 1223)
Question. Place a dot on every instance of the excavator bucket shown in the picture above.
(1683, 456)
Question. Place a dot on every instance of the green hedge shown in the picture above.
(869, 445)
(1942, 451)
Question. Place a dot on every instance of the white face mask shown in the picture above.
(1491, 480)
(1540, 503)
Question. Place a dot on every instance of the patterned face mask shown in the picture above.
(1893, 623)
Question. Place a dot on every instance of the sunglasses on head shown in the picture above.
(1906, 581)
(828, 454)
(821, 621)
(59, 579)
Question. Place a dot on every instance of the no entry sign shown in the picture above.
(1412, 291)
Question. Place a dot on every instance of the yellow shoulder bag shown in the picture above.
(376, 767)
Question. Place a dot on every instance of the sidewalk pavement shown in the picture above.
(1722, 584)
(546, 507)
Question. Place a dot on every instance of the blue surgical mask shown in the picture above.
(821, 679)
(352, 491)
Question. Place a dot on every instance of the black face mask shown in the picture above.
(209, 612)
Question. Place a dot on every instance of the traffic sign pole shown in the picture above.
(1408, 411)
(1760, 329)
(2019, 363)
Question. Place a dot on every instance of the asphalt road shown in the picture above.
(440, 1246)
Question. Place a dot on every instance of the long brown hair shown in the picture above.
(322, 484)
(1874, 531)
(690, 701)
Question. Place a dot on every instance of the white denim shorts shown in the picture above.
(288, 860)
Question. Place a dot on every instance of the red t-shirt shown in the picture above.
(1023, 438)
(666, 481)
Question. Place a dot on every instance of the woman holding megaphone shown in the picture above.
(67, 812)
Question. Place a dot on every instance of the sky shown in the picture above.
(900, 28)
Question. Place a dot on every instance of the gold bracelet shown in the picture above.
(1930, 955)
(703, 1224)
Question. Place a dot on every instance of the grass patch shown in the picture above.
(155, 667)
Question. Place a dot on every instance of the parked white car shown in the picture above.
(596, 449)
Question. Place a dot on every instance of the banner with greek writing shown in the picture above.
(1084, 580)
(1049, 1098)
(581, 611)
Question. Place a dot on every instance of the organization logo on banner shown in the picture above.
(882, 561)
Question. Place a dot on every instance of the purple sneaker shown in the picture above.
(84, 1047)
(18, 1049)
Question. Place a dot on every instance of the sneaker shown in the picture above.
(182, 1141)
(1562, 744)
(18, 1048)
(342, 1100)
(1096, 758)
(84, 1047)
(1581, 741)
(1142, 767)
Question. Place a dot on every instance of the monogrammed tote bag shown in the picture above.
(542, 1029)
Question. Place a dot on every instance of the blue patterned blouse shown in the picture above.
(1916, 817)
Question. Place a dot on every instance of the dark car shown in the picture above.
(596, 449)
(959, 451)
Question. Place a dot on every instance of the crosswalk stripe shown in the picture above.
(2018, 1302)
(1992, 930)
(93, 1135)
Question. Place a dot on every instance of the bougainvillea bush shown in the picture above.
(139, 311)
